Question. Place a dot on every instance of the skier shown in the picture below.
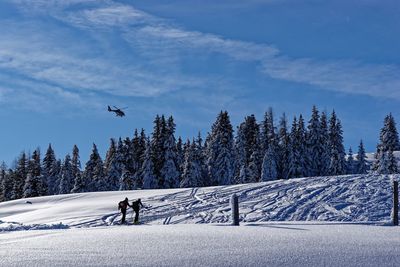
(123, 206)
(136, 205)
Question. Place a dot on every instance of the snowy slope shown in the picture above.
(266, 244)
(345, 198)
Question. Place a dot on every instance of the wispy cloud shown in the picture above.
(150, 65)
(343, 76)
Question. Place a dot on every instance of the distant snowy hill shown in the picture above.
(352, 198)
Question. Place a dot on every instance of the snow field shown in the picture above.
(351, 198)
(255, 244)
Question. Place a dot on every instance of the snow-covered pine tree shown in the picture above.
(220, 158)
(180, 154)
(3, 181)
(201, 154)
(314, 144)
(299, 153)
(78, 183)
(269, 167)
(66, 181)
(382, 166)
(294, 155)
(389, 138)
(338, 162)
(283, 164)
(20, 177)
(33, 182)
(116, 166)
(350, 164)
(149, 178)
(387, 163)
(94, 172)
(247, 142)
(361, 163)
(157, 148)
(389, 141)
(392, 163)
(268, 132)
(192, 171)
(126, 181)
(112, 150)
(243, 174)
(129, 157)
(139, 147)
(240, 163)
(253, 172)
(325, 152)
(49, 171)
(170, 170)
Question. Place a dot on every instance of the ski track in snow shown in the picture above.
(351, 198)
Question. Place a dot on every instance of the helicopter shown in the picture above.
(118, 111)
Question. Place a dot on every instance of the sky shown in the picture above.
(63, 61)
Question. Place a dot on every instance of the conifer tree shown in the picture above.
(389, 142)
(112, 150)
(337, 163)
(149, 178)
(192, 172)
(283, 164)
(126, 182)
(350, 164)
(269, 167)
(389, 138)
(3, 181)
(180, 154)
(201, 154)
(50, 171)
(268, 132)
(20, 176)
(9, 185)
(299, 149)
(170, 170)
(94, 172)
(33, 182)
(220, 156)
(78, 182)
(361, 164)
(392, 163)
(157, 148)
(116, 166)
(139, 147)
(66, 181)
(247, 142)
(325, 152)
(314, 143)
(387, 163)
(240, 163)
(253, 172)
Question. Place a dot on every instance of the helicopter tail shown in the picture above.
(109, 109)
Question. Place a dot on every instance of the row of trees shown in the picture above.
(258, 152)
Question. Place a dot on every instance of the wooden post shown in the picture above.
(235, 209)
(395, 211)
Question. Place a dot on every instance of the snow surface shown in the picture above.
(315, 221)
(266, 244)
(352, 198)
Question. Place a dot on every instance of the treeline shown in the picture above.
(258, 152)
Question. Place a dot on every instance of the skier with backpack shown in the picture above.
(136, 205)
(123, 206)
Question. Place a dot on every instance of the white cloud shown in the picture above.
(160, 46)
(342, 76)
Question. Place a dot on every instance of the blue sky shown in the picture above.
(63, 61)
